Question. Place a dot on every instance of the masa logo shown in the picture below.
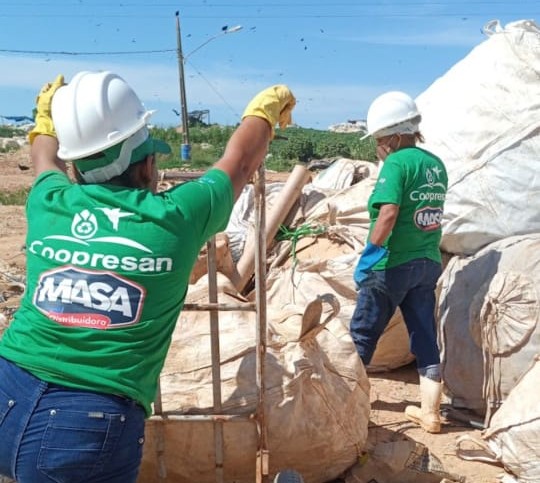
(428, 218)
(91, 299)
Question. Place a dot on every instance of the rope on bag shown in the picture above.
(296, 234)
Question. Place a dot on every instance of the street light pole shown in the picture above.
(185, 149)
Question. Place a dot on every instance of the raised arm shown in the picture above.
(43, 136)
(43, 154)
(248, 145)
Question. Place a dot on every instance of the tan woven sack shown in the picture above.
(316, 399)
(489, 316)
(513, 436)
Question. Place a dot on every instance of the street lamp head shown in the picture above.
(231, 30)
(224, 30)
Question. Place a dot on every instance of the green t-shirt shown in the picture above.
(107, 273)
(416, 181)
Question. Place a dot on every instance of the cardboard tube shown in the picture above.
(299, 176)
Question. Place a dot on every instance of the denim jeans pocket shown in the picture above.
(6, 404)
(77, 444)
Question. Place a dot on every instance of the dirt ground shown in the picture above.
(390, 392)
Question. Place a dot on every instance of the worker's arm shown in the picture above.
(373, 252)
(245, 151)
(384, 225)
(43, 137)
(43, 154)
(248, 145)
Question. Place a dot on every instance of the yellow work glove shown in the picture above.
(43, 120)
(273, 104)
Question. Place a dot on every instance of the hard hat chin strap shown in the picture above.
(120, 164)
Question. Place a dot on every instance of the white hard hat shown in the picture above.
(95, 111)
(393, 112)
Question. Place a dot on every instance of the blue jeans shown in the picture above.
(53, 434)
(411, 287)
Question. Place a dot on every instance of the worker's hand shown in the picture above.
(371, 255)
(274, 104)
(43, 119)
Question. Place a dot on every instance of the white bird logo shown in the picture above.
(437, 171)
(114, 215)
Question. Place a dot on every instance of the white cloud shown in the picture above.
(225, 92)
(443, 37)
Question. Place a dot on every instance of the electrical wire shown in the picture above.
(64, 52)
(214, 89)
(332, 5)
(382, 10)
(421, 14)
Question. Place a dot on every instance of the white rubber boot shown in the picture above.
(427, 415)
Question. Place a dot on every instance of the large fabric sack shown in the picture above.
(317, 272)
(513, 435)
(242, 218)
(340, 174)
(489, 321)
(316, 397)
(344, 208)
(482, 118)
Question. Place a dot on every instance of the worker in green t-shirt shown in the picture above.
(108, 265)
(401, 261)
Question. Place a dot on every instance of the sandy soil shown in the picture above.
(390, 392)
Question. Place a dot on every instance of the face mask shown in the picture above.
(382, 152)
(384, 149)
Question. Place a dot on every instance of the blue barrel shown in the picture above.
(185, 152)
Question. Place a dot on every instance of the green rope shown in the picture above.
(296, 234)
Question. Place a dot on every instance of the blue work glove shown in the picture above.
(371, 255)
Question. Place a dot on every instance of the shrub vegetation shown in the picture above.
(289, 147)
(14, 198)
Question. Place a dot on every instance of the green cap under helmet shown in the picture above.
(115, 160)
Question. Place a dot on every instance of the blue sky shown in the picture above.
(335, 55)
